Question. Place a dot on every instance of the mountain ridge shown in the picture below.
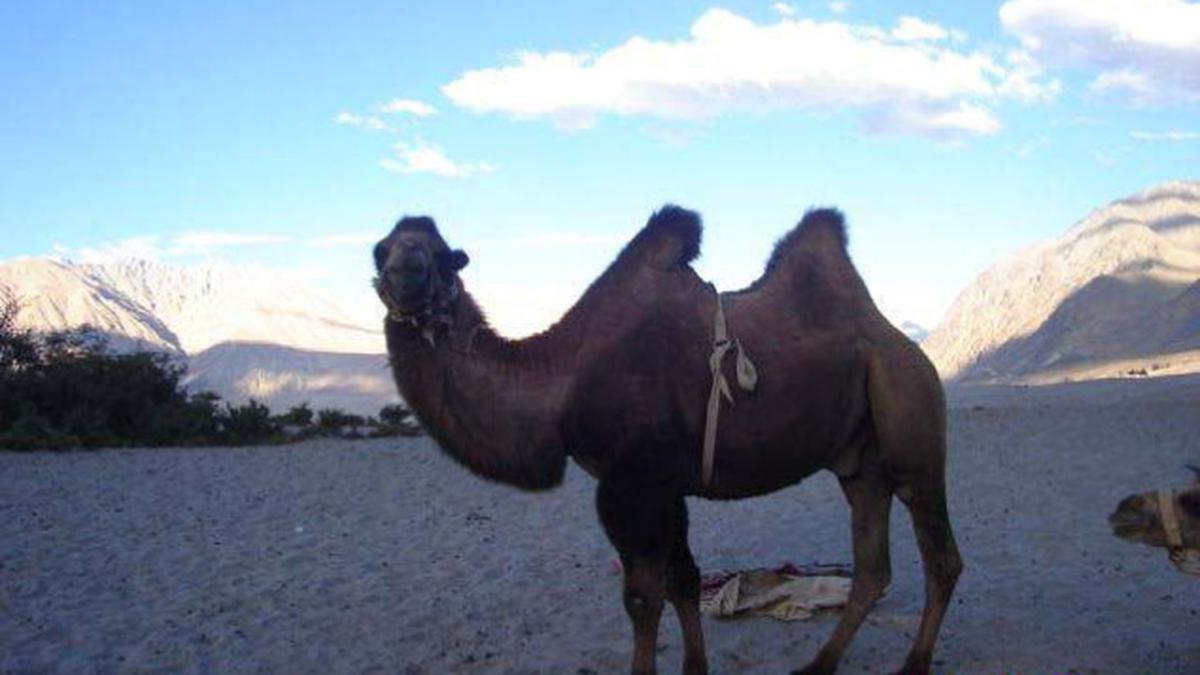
(217, 318)
(1095, 301)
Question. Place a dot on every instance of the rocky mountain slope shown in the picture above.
(245, 332)
(1117, 294)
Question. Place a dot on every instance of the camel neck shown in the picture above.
(487, 407)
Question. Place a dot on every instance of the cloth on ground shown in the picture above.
(787, 593)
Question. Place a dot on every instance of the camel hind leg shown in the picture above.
(908, 411)
(941, 562)
(870, 497)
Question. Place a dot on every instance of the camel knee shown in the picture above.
(642, 607)
(878, 580)
(949, 570)
(684, 582)
(644, 594)
(868, 587)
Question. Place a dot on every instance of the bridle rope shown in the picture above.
(435, 315)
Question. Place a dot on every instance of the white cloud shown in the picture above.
(408, 107)
(571, 239)
(784, 9)
(144, 248)
(1173, 136)
(1148, 50)
(371, 122)
(338, 240)
(730, 63)
(154, 247)
(839, 6)
(941, 124)
(1024, 79)
(206, 240)
(912, 29)
(425, 158)
(1104, 158)
(1028, 148)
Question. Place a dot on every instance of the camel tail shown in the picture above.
(670, 238)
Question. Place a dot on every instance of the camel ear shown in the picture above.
(453, 260)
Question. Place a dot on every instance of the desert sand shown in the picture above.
(385, 557)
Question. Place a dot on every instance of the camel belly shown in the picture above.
(797, 422)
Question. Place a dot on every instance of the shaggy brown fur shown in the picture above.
(620, 384)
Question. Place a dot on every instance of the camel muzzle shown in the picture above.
(1129, 524)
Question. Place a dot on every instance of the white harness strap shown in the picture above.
(747, 377)
(1186, 560)
(1170, 520)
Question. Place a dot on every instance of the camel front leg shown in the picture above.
(645, 592)
(642, 520)
(683, 592)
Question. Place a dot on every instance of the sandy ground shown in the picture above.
(384, 557)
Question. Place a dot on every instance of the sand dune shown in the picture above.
(385, 557)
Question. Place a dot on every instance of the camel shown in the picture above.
(620, 384)
(1140, 518)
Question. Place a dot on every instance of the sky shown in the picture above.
(541, 135)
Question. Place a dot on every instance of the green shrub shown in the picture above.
(67, 389)
(397, 420)
(333, 421)
(247, 424)
(301, 416)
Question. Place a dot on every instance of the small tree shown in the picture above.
(249, 423)
(18, 348)
(397, 420)
(300, 415)
(332, 420)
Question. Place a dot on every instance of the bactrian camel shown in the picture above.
(621, 383)
(1167, 518)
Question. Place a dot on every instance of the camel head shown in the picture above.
(417, 272)
(1139, 517)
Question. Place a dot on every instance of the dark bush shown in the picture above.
(397, 420)
(301, 416)
(247, 424)
(68, 390)
(333, 421)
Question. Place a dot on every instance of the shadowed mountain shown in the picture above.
(1115, 295)
(245, 332)
(286, 376)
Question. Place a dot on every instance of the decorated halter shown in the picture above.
(1186, 560)
(435, 317)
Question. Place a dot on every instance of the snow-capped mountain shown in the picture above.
(245, 331)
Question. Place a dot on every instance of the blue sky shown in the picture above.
(541, 136)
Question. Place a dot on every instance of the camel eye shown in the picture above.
(381, 256)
